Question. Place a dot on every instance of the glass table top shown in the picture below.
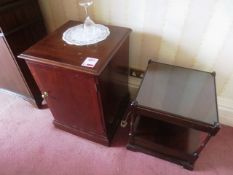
(185, 92)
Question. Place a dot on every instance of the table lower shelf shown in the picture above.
(174, 143)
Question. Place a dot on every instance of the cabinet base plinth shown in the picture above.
(90, 136)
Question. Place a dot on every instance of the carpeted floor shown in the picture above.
(31, 145)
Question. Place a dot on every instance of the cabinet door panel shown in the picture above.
(10, 75)
(72, 97)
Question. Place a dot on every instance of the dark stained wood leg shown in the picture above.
(131, 147)
(187, 165)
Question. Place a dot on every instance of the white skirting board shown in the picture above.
(225, 109)
(225, 106)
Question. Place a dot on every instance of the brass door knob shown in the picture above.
(44, 95)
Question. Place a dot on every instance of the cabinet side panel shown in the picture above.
(72, 97)
(114, 87)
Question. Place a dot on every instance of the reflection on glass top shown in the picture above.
(181, 91)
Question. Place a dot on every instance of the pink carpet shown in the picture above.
(31, 145)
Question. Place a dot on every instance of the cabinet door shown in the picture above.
(10, 75)
(72, 97)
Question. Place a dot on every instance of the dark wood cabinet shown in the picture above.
(22, 25)
(174, 114)
(85, 101)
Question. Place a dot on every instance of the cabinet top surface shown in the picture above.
(188, 93)
(53, 50)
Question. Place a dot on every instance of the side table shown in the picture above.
(174, 114)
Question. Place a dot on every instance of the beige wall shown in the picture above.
(191, 33)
